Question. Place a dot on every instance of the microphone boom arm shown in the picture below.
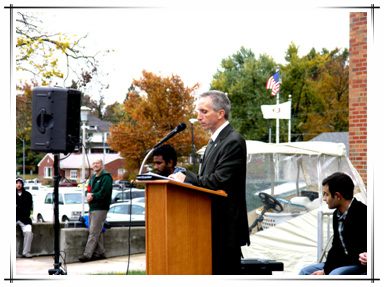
(178, 129)
(145, 159)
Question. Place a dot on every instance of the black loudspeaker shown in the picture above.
(55, 120)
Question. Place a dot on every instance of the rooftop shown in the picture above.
(336, 137)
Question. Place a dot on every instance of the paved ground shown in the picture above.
(41, 264)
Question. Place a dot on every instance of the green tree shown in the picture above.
(244, 78)
(318, 83)
(115, 113)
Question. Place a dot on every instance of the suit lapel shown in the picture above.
(220, 138)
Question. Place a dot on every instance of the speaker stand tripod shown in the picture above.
(56, 270)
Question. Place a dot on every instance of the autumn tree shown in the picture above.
(43, 54)
(45, 58)
(114, 113)
(318, 83)
(154, 106)
(23, 127)
(332, 84)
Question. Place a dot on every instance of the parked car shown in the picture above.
(122, 212)
(70, 205)
(35, 189)
(125, 184)
(32, 181)
(119, 196)
(81, 184)
(116, 186)
(66, 182)
(139, 201)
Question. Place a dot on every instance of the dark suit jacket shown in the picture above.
(354, 235)
(224, 168)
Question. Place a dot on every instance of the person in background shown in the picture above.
(347, 255)
(165, 160)
(99, 193)
(24, 208)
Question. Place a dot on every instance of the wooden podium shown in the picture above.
(178, 228)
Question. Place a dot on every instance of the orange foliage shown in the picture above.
(156, 106)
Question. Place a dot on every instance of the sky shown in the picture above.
(190, 38)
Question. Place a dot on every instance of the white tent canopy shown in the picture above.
(308, 148)
(286, 170)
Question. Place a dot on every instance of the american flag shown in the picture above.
(273, 83)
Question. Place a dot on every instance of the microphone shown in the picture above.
(178, 129)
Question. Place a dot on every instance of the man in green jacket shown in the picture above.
(99, 193)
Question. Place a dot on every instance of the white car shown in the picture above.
(121, 212)
(139, 201)
(126, 195)
(70, 205)
(36, 189)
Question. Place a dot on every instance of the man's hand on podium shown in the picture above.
(178, 176)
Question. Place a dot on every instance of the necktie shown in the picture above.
(210, 144)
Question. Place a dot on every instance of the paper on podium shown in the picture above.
(153, 176)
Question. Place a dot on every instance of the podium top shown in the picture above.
(185, 185)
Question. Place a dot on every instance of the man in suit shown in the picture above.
(347, 255)
(223, 168)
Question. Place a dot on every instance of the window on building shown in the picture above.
(48, 172)
(120, 171)
(73, 174)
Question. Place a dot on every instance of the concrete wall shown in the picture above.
(73, 240)
(43, 239)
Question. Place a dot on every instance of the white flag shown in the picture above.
(281, 111)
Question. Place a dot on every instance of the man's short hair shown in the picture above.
(220, 101)
(98, 159)
(340, 182)
(167, 152)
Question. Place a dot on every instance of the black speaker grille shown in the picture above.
(55, 119)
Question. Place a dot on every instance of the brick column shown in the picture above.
(358, 92)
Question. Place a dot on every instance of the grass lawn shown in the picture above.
(132, 272)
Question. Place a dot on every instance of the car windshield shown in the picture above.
(50, 198)
(124, 209)
(114, 193)
(72, 198)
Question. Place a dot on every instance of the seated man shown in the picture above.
(165, 159)
(349, 229)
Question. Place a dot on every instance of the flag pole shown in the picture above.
(289, 121)
(277, 106)
(269, 131)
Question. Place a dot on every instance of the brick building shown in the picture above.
(71, 167)
(358, 92)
